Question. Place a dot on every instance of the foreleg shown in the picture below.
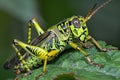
(75, 46)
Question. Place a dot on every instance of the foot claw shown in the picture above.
(37, 78)
(112, 48)
(98, 65)
(109, 49)
(94, 64)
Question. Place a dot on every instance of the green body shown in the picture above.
(59, 36)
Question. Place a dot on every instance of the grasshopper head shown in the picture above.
(78, 27)
(78, 23)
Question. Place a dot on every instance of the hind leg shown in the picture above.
(49, 56)
(21, 59)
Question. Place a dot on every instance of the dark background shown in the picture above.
(14, 15)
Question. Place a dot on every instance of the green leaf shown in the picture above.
(72, 65)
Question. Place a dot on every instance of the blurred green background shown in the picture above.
(14, 15)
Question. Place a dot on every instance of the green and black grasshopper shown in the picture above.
(70, 32)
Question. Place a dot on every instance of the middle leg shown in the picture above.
(33, 22)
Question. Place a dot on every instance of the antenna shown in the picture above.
(92, 12)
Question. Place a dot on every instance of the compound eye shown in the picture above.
(76, 22)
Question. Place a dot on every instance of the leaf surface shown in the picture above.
(72, 64)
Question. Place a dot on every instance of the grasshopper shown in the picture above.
(48, 44)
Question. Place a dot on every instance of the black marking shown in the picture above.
(63, 25)
(31, 22)
(69, 23)
(61, 31)
(81, 20)
(87, 55)
(29, 49)
(51, 43)
(33, 50)
(84, 27)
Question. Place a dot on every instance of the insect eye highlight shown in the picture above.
(76, 22)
